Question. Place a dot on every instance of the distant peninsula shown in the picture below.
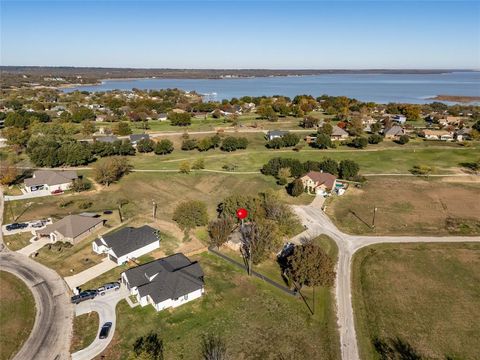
(456, 98)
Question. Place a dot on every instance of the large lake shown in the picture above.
(380, 88)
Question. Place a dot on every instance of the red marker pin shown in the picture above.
(242, 213)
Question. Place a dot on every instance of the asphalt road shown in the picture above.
(318, 223)
(51, 333)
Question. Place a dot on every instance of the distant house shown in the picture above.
(50, 180)
(320, 183)
(72, 228)
(338, 134)
(394, 132)
(135, 138)
(276, 134)
(450, 120)
(399, 119)
(101, 118)
(162, 117)
(106, 139)
(165, 283)
(443, 135)
(127, 243)
(463, 134)
(310, 139)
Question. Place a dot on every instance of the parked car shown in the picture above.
(102, 290)
(57, 192)
(16, 226)
(84, 295)
(105, 330)
(39, 224)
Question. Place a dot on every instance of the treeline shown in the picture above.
(228, 144)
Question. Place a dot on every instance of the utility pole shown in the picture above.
(120, 213)
(374, 213)
(154, 209)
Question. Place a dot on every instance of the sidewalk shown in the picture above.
(34, 245)
(89, 274)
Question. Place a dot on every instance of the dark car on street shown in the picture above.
(105, 330)
(84, 295)
(16, 226)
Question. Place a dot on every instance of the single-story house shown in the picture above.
(168, 282)
(400, 119)
(162, 117)
(310, 139)
(135, 138)
(274, 134)
(394, 132)
(463, 134)
(437, 135)
(450, 120)
(106, 139)
(50, 180)
(127, 243)
(338, 134)
(320, 183)
(72, 228)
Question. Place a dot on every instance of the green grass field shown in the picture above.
(17, 314)
(17, 241)
(249, 314)
(85, 329)
(408, 206)
(426, 295)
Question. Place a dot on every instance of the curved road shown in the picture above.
(318, 223)
(51, 333)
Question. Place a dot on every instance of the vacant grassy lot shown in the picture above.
(256, 320)
(85, 328)
(426, 295)
(17, 314)
(409, 206)
(17, 241)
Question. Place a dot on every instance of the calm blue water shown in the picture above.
(380, 88)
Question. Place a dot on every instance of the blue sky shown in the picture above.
(242, 34)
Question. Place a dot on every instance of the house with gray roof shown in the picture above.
(50, 180)
(72, 228)
(135, 138)
(394, 132)
(165, 283)
(127, 243)
(338, 134)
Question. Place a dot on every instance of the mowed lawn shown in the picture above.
(426, 295)
(17, 314)
(256, 320)
(409, 206)
(85, 328)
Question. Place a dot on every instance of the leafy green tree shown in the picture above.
(82, 114)
(17, 119)
(145, 145)
(330, 166)
(326, 129)
(348, 169)
(403, 139)
(88, 128)
(375, 139)
(179, 119)
(190, 214)
(219, 230)
(267, 112)
(296, 188)
(309, 122)
(323, 141)
(216, 140)
(75, 154)
(16, 136)
(229, 144)
(163, 147)
(111, 169)
(261, 238)
(275, 143)
(205, 144)
(122, 128)
(148, 347)
(81, 184)
(359, 142)
(376, 127)
(290, 139)
(189, 144)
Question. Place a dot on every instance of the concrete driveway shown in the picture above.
(35, 245)
(90, 273)
(35, 194)
(29, 228)
(105, 307)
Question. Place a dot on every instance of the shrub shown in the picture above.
(85, 205)
(81, 184)
(189, 144)
(275, 143)
(375, 139)
(111, 169)
(198, 164)
(296, 188)
(323, 141)
(403, 139)
(145, 146)
(184, 167)
(231, 143)
(163, 147)
(190, 214)
(359, 142)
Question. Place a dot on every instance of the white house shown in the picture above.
(50, 180)
(127, 243)
(168, 282)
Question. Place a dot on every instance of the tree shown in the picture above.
(323, 141)
(111, 169)
(326, 129)
(330, 166)
(283, 175)
(88, 128)
(267, 112)
(275, 143)
(189, 144)
(421, 170)
(145, 146)
(163, 147)
(179, 119)
(229, 144)
(219, 230)
(359, 142)
(309, 122)
(148, 347)
(198, 164)
(74, 153)
(81, 184)
(8, 173)
(403, 139)
(296, 188)
(16, 136)
(375, 139)
(348, 169)
(82, 114)
(205, 144)
(184, 167)
(213, 348)
(190, 214)
(216, 140)
(122, 128)
(290, 139)
(310, 265)
(376, 127)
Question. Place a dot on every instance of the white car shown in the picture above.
(102, 290)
